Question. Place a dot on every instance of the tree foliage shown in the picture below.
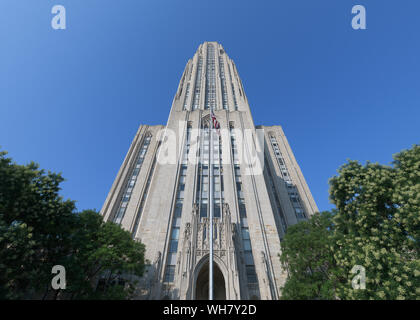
(38, 229)
(376, 225)
(307, 255)
(103, 248)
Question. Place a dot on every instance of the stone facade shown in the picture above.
(162, 199)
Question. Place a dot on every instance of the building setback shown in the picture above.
(161, 192)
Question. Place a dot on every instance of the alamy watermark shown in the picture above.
(247, 148)
(58, 21)
(358, 22)
(359, 280)
(59, 280)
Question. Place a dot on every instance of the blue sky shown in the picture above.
(72, 100)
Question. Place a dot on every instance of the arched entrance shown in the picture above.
(202, 283)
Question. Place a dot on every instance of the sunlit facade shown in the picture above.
(163, 200)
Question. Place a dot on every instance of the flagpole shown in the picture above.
(211, 147)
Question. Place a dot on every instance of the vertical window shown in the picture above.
(203, 180)
(187, 94)
(125, 198)
(276, 197)
(170, 273)
(251, 274)
(143, 198)
(246, 240)
(197, 87)
(223, 82)
(233, 89)
(176, 219)
(291, 188)
(210, 100)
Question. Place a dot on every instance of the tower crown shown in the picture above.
(210, 81)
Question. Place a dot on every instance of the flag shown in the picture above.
(216, 124)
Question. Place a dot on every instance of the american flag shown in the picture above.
(216, 124)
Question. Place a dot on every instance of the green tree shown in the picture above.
(38, 229)
(32, 216)
(377, 226)
(103, 249)
(309, 260)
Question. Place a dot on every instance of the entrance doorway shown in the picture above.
(202, 284)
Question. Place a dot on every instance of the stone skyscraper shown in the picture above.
(161, 192)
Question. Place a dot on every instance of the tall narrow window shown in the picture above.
(187, 94)
(131, 182)
(210, 101)
(176, 217)
(223, 82)
(233, 89)
(203, 180)
(251, 275)
(290, 186)
(276, 197)
(197, 87)
(143, 198)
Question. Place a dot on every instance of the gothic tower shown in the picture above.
(161, 192)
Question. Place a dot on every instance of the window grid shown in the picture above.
(197, 88)
(246, 241)
(132, 181)
(223, 81)
(210, 79)
(276, 197)
(291, 188)
(203, 186)
(233, 89)
(176, 219)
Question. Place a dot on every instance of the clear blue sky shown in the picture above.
(72, 100)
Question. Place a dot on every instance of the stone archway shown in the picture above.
(202, 283)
